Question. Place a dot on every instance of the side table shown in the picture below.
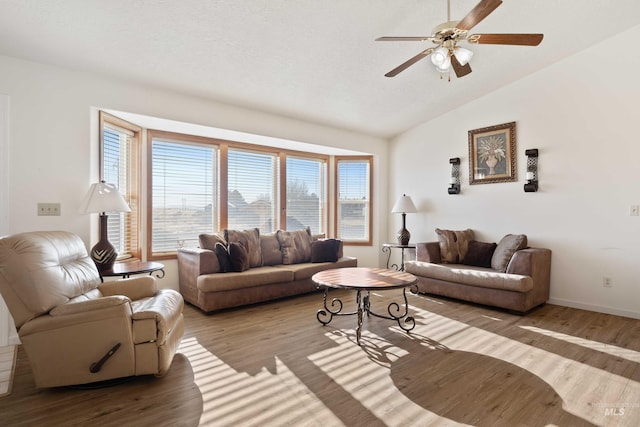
(126, 269)
(387, 247)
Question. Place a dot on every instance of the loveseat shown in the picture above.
(508, 274)
(218, 275)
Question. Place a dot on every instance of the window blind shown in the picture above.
(306, 194)
(252, 190)
(117, 153)
(183, 194)
(353, 200)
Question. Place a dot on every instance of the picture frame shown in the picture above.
(492, 154)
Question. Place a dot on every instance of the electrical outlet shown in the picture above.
(48, 209)
(607, 282)
(634, 210)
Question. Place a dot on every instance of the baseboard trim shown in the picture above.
(596, 308)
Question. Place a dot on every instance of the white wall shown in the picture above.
(53, 156)
(583, 116)
(7, 329)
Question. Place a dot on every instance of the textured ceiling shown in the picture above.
(314, 60)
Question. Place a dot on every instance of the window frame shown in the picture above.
(134, 182)
(336, 160)
(180, 138)
(187, 140)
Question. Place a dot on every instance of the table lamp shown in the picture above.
(102, 198)
(404, 205)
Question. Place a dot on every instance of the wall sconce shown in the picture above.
(454, 183)
(531, 186)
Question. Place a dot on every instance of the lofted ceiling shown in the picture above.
(314, 60)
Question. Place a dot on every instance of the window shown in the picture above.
(306, 195)
(183, 198)
(199, 185)
(252, 190)
(353, 200)
(120, 153)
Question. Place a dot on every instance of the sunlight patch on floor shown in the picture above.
(369, 382)
(559, 372)
(613, 350)
(237, 398)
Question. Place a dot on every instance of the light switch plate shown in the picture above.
(48, 209)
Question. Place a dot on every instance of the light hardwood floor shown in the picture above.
(274, 364)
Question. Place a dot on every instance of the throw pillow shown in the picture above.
(448, 248)
(239, 257)
(463, 237)
(208, 241)
(479, 254)
(453, 244)
(270, 247)
(250, 239)
(505, 250)
(223, 257)
(325, 250)
(295, 245)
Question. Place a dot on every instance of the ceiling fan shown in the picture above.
(447, 54)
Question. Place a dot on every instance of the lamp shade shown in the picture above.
(444, 68)
(404, 204)
(440, 56)
(463, 55)
(103, 197)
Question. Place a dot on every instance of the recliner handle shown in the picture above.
(95, 367)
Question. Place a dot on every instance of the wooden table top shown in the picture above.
(364, 278)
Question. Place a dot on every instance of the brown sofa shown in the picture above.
(283, 269)
(513, 276)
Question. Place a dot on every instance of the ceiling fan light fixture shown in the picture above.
(443, 70)
(463, 55)
(445, 53)
(440, 56)
(445, 67)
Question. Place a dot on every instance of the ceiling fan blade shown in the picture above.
(409, 63)
(460, 70)
(513, 39)
(403, 39)
(478, 13)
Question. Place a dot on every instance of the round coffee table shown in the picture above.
(362, 279)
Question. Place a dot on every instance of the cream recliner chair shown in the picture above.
(77, 330)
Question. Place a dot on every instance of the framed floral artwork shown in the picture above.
(492, 154)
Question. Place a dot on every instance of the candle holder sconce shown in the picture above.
(531, 186)
(454, 184)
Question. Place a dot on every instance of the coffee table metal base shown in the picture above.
(363, 306)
